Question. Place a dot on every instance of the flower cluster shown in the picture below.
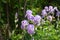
(47, 12)
(35, 19)
(29, 15)
(30, 27)
(49, 9)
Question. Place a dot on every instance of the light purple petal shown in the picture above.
(22, 27)
(50, 7)
(29, 11)
(30, 29)
(44, 13)
(24, 23)
(30, 17)
(37, 19)
(46, 8)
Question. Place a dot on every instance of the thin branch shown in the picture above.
(25, 3)
(18, 13)
(7, 13)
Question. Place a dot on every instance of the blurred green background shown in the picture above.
(8, 29)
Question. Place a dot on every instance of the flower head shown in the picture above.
(29, 11)
(44, 13)
(50, 7)
(37, 19)
(46, 8)
(24, 23)
(30, 29)
(22, 27)
(51, 11)
(30, 17)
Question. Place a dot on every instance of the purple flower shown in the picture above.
(30, 29)
(49, 18)
(51, 9)
(30, 17)
(46, 8)
(37, 20)
(22, 27)
(44, 13)
(28, 12)
(24, 23)
(58, 13)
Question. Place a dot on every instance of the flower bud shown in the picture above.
(49, 18)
